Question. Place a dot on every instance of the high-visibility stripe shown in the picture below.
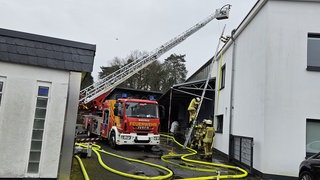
(219, 82)
(87, 139)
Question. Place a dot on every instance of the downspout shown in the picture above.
(169, 116)
(231, 107)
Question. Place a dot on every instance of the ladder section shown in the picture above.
(114, 79)
(203, 93)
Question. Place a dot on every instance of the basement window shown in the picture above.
(219, 124)
(38, 128)
(312, 136)
(313, 53)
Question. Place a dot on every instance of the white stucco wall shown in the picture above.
(249, 88)
(249, 84)
(17, 116)
(292, 94)
(273, 92)
(223, 100)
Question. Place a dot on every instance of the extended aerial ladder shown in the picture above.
(114, 79)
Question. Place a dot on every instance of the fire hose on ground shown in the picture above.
(97, 150)
(243, 174)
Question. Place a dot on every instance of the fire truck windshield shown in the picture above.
(144, 110)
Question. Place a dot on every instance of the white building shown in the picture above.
(39, 91)
(270, 87)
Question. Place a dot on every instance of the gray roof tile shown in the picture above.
(3, 47)
(32, 60)
(75, 58)
(11, 48)
(42, 62)
(69, 65)
(31, 51)
(4, 56)
(61, 65)
(67, 57)
(52, 63)
(22, 50)
(77, 65)
(25, 48)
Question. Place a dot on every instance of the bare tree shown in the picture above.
(156, 77)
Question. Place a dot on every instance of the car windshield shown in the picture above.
(145, 110)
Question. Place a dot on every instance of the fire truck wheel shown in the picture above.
(113, 140)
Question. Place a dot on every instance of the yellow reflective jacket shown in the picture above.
(210, 132)
(193, 105)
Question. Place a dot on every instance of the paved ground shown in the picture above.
(96, 171)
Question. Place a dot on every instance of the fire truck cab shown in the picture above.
(126, 121)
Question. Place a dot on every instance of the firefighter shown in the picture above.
(195, 143)
(208, 138)
(193, 106)
(197, 140)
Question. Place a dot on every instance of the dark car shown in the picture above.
(310, 168)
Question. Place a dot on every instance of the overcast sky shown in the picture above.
(118, 27)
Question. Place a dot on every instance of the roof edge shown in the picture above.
(249, 17)
(244, 23)
(246, 20)
(46, 39)
(193, 82)
(200, 69)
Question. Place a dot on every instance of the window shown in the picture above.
(223, 76)
(1, 89)
(145, 110)
(313, 52)
(219, 124)
(38, 128)
(106, 116)
(312, 136)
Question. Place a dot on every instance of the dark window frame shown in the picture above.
(219, 123)
(1, 90)
(223, 76)
(310, 120)
(106, 114)
(313, 46)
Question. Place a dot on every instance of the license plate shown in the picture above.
(143, 138)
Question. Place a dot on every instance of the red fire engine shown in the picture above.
(126, 121)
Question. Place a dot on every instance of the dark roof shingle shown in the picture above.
(31, 49)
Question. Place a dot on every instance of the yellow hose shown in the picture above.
(96, 150)
(83, 169)
(193, 152)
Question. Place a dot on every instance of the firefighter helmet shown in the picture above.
(207, 121)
